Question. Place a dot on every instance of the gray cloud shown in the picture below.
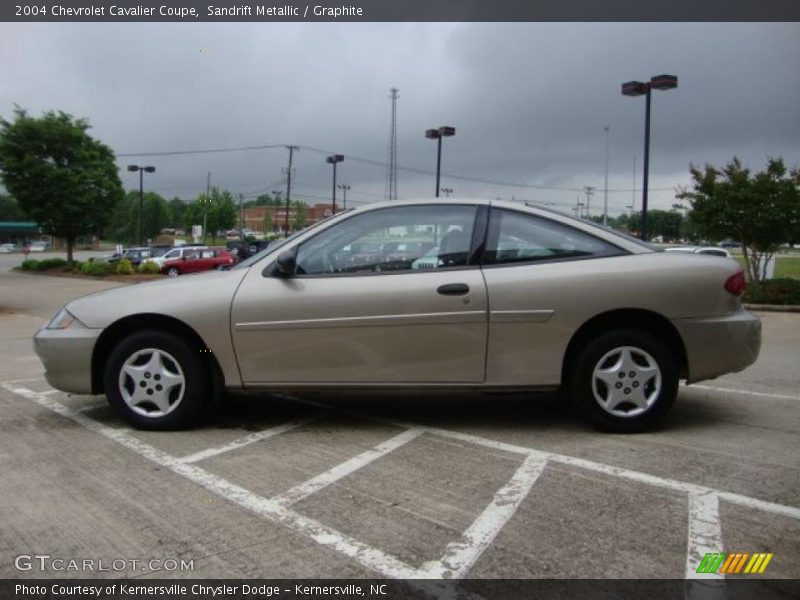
(529, 100)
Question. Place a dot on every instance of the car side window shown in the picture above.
(516, 237)
(392, 240)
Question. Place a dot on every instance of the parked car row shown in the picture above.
(177, 260)
(33, 247)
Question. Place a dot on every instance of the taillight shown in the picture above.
(736, 284)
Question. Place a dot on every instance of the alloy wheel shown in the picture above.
(152, 382)
(626, 381)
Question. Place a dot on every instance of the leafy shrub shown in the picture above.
(30, 265)
(148, 267)
(124, 267)
(51, 263)
(774, 291)
(95, 268)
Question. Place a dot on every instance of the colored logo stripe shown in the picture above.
(733, 563)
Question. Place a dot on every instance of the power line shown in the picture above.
(375, 163)
(211, 151)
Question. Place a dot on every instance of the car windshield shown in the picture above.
(279, 243)
(158, 251)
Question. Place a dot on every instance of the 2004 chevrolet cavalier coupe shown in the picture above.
(516, 297)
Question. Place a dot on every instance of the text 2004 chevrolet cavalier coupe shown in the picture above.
(516, 297)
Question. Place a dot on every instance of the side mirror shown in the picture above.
(285, 264)
(183, 257)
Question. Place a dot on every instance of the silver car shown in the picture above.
(518, 298)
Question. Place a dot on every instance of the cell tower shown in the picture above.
(390, 193)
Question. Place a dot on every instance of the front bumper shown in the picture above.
(67, 357)
(719, 345)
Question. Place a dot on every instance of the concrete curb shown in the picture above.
(788, 308)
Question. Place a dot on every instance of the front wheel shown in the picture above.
(625, 380)
(157, 380)
(173, 272)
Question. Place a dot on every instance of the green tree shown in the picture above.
(217, 210)
(664, 223)
(299, 220)
(176, 209)
(267, 222)
(124, 225)
(61, 176)
(761, 210)
(10, 210)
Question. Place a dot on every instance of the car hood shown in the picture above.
(193, 299)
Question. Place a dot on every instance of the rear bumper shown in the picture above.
(719, 345)
(67, 357)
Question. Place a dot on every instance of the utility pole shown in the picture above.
(589, 190)
(605, 190)
(288, 189)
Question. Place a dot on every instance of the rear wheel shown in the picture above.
(625, 380)
(157, 380)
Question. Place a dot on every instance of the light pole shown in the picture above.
(333, 159)
(344, 187)
(142, 170)
(639, 88)
(438, 134)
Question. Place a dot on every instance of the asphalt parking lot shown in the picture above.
(355, 485)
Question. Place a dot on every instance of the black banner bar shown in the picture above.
(744, 588)
(399, 10)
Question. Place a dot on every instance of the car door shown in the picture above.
(350, 317)
(543, 280)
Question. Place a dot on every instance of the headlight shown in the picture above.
(62, 320)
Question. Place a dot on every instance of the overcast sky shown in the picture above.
(529, 101)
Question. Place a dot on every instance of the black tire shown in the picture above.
(187, 403)
(587, 391)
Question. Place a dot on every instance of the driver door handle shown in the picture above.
(453, 289)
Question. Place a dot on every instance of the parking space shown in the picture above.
(403, 485)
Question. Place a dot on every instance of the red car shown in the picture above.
(204, 259)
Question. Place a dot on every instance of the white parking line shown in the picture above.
(365, 555)
(459, 557)
(89, 407)
(703, 529)
(705, 533)
(645, 478)
(28, 380)
(250, 439)
(711, 388)
(322, 480)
